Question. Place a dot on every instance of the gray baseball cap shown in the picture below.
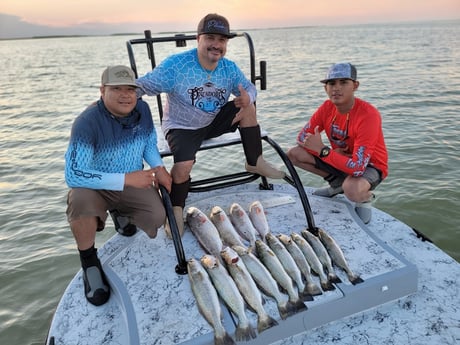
(341, 70)
(118, 75)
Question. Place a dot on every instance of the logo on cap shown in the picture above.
(215, 24)
(118, 75)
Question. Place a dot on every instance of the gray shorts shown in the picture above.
(184, 143)
(144, 207)
(371, 174)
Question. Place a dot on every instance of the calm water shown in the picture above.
(411, 72)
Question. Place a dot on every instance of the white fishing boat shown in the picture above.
(409, 292)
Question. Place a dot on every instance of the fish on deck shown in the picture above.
(204, 231)
(230, 294)
(258, 219)
(276, 269)
(242, 223)
(224, 226)
(337, 256)
(265, 281)
(207, 301)
(247, 288)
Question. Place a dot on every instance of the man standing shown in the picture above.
(198, 84)
(357, 160)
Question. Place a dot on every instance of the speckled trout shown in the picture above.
(207, 301)
(264, 280)
(204, 230)
(276, 269)
(229, 292)
(247, 288)
(302, 263)
(242, 223)
(289, 264)
(312, 260)
(258, 219)
(337, 256)
(322, 254)
(226, 230)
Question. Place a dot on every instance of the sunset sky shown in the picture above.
(243, 14)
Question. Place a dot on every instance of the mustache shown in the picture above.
(215, 49)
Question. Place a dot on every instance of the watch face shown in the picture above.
(324, 151)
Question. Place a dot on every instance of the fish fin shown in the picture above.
(286, 309)
(332, 277)
(226, 339)
(313, 289)
(245, 333)
(327, 286)
(306, 296)
(299, 305)
(356, 280)
(266, 323)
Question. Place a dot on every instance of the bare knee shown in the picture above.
(248, 116)
(298, 155)
(356, 189)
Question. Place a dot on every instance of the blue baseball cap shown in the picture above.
(341, 70)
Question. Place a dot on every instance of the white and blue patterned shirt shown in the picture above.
(194, 95)
(103, 148)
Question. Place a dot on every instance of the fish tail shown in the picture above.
(356, 280)
(245, 333)
(299, 305)
(266, 322)
(305, 294)
(313, 289)
(327, 286)
(224, 339)
(286, 309)
(332, 277)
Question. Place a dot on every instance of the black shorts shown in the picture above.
(371, 174)
(184, 143)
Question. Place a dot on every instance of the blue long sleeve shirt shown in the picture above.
(103, 148)
(194, 96)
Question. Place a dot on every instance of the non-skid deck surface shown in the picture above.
(409, 295)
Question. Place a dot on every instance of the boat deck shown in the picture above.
(410, 293)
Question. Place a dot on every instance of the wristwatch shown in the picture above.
(324, 152)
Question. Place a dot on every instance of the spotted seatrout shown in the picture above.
(247, 288)
(242, 223)
(322, 254)
(204, 230)
(208, 301)
(337, 256)
(226, 230)
(229, 292)
(312, 260)
(265, 281)
(302, 263)
(276, 269)
(258, 219)
(288, 264)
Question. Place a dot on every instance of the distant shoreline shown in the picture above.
(68, 36)
(239, 30)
